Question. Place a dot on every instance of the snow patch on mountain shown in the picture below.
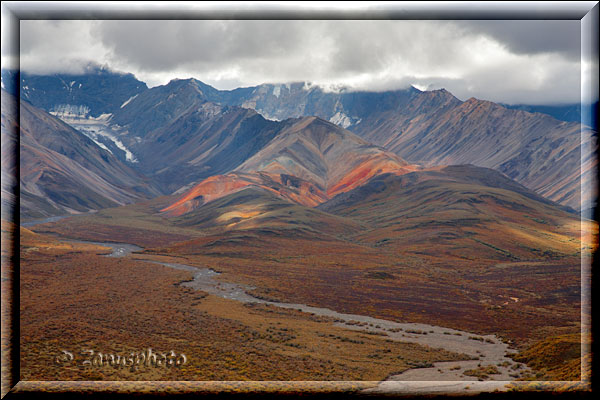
(128, 100)
(128, 154)
(102, 117)
(341, 119)
(94, 136)
(96, 128)
(308, 86)
(266, 115)
(276, 90)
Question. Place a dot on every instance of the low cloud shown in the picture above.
(59, 46)
(506, 61)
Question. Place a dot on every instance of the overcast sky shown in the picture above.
(536, 62)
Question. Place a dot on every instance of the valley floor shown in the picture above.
(75, 298)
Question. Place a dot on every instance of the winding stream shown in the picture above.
(442, 377)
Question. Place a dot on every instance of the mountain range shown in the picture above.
(436, 128)
(297, 141)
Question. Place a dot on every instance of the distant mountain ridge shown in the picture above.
(95, 92)
(180, 137)
(274, 101)
(566, 112)
(536, 150)
(172, 124)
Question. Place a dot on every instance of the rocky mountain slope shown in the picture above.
(62, 171)
(180, 138)
(535, 150)
(309, 161)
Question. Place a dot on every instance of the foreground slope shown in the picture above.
(62, 171)
(258, 210)
(464, 211)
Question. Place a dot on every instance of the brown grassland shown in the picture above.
(493, 295)
(73, 298)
